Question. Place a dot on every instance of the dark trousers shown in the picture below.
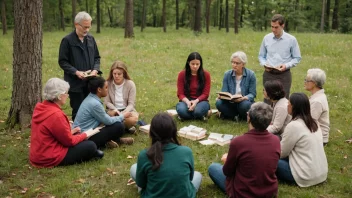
(110, 132)
(83, 151)
(284, 77)
(76, 99)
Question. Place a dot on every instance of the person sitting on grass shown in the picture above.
(193, 87)
(53, 143)
(166, 169)
(91, 114)
(303, 160)
(121, 95)
(250, 165)
(239, 80)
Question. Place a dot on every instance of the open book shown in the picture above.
(172, 112)
(145, 128)
(272, 67)
(228, 96)
(218, 138)
(192, 132)
(91, 132)
(88, 73)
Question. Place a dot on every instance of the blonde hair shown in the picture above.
(118, 65)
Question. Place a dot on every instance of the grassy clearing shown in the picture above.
(154, 59)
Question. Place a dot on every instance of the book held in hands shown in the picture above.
(228, 96)
(91, 132)
(192, 132)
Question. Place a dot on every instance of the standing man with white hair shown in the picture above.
(279, 52)
(78, 54)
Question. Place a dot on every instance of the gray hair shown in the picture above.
(53, 88)
(260, 115)
(81, 16)
(241, 55)
(318, 76)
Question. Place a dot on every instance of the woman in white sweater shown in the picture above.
(303, 160)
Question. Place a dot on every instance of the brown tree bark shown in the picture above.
(335, 16)
(3, 17)
(227, 15)
(164, 16)
(62, 19)
(207, 15)
(177, 14)
(98, 16)
(221, 16)
(322, 16)
(27, 61)
(191, 11)
(198, 17)
(236, 16)
(74, 12)
(144, 13)
(327, 16)
(129, 19)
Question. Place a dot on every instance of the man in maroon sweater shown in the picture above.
(250, 165)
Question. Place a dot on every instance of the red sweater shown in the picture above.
(50, 135)
(193, 86)
(251, 164)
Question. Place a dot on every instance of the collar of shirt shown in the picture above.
(95, 97)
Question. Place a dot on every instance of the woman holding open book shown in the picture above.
(121, 95)
(53, 143)
(193, 87)
(166, 169)
(237, 81)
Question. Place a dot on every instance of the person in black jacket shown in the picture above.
(78, 54)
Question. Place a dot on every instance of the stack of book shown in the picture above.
(172, 112)
(218, 138)
(192, 132)
(145, 128)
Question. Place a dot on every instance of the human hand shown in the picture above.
(282, 67)
(75, 130)
(80, 74)
(224, 158)
(94, 72)
(113, 113)
(127, 114)
(193, 104)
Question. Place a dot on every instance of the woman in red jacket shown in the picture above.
(53, 143)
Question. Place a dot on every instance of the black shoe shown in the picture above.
(131, 130)
(99, 154)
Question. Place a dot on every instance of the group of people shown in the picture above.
(284, 141)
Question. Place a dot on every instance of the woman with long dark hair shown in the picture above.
(303, 160)
(166, 169)
(193, 87)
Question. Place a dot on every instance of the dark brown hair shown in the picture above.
(279, 18)
(301, 109)
(274, 89)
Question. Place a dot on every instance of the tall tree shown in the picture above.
(177, 14)
(227, 15)
(191, 8)
(322, 17)
(198, 17)
(27, 56)
(221, 16)
(236, 15)
(144, 14)
(207, 15)
(164, 16)
(74, 12)
(3, 17)
(335, 16)
(242, 13)
(62, 18)
(98, 16)
(327, 17)
(129, 19)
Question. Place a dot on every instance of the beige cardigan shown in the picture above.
(280, 117)
(306, 153)
(319, 108)
(129, 96)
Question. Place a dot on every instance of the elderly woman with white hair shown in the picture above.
(238, 80)
(318, 102)
(53, 143)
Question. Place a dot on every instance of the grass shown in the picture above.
(154, 59)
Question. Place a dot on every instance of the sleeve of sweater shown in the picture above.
(108, 100)
(131, 97)
(205, 94)
(62, 131)
(229, 167)
(181, 85)
(278, 120)
(289, 138)
(316, 109)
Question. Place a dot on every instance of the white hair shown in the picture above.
(53, 88)
(81, 16)
(241, 55)
(318, 76)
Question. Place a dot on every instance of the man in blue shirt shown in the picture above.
(278, 53)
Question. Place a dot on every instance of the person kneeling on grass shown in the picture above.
(91, 114)
(52, 140)
(166, 169)
(250, 165)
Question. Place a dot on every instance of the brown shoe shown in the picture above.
(111, 144)
(209, 113)
(127, 140)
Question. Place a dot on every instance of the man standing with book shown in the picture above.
(279, 52)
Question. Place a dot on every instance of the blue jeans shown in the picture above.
(231, 109)
(197, 177)
(283, 171)
(218, 177)
(199, 112)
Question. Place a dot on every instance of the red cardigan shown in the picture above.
(193, 86)
(50, 135)
(251, 164)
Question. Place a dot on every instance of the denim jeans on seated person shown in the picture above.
(199, 111)
(230, 109)
(197, 177)
(218, 177)
(283, 171)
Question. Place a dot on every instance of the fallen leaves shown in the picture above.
(130, 182)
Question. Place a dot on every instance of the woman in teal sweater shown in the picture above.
(166, 169)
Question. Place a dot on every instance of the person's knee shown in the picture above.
(181, 108)
(90, 146)
(219, 104)
(213, 168)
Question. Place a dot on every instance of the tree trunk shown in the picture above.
(335, 16)
(62, 18)
(98, 16)
(227, 15)
(191, 8)
(87, 6)
(236, 15)
(129, 19)
(74, 12)
(144, 13)
(221, 16)
(242, 13)
(3, 17)
(110, 16)
(164, 15)
(27, 61)
(327, 16)
(177, 14)
(198, 17)
(207, 15)
(322, 17)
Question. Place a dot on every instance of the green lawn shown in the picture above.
(154, 59)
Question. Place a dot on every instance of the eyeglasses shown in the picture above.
(236, 63)
(305, 80)
(84, 27)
